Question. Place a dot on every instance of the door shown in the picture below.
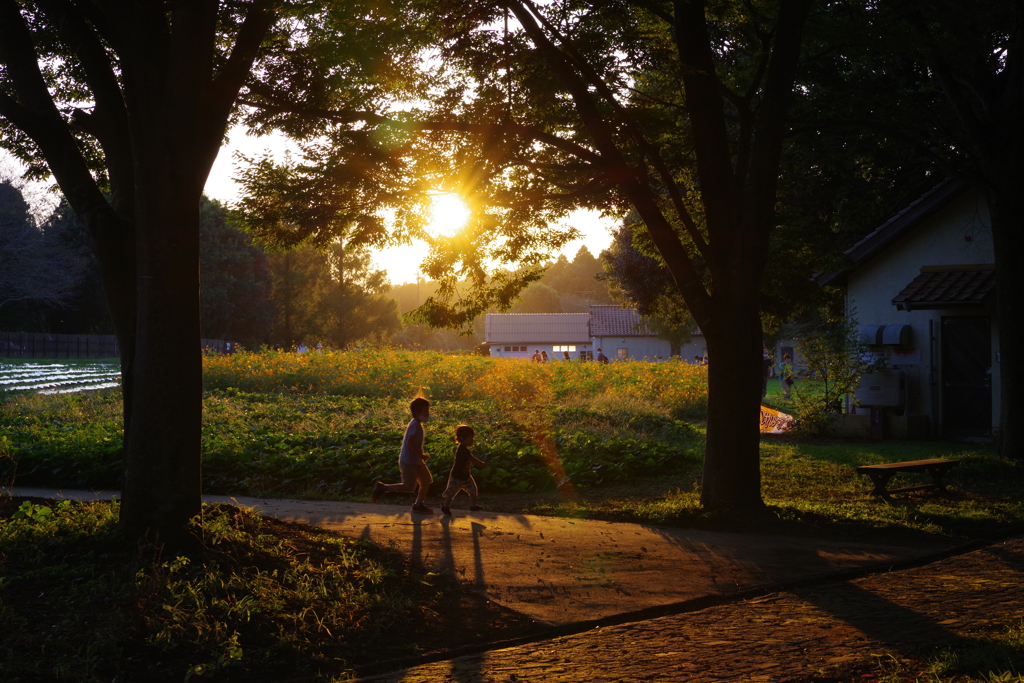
(967, 376)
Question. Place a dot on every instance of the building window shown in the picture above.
(571, 349)
(622, 354)
(508, 348)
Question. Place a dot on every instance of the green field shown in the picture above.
(264, 601)
(620, 441)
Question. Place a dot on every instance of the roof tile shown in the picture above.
(615, 321)
(946, 287)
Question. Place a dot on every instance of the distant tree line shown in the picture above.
(251, 294)
(50, 282)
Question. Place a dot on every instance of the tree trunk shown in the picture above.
(732, 470)
(1006, 210)
(173, 152)
(162, 479)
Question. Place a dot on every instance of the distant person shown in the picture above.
(536, 356)
(786, 375)
(461, 478)
(696, 360)
(411, 461)
(601, 358)
(704, 361)
(766, 371)
(302, 348)
(544, 356)
(566, 354)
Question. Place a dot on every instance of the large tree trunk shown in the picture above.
(1006, 210)
(162, 479)
(173, 152)
(162, 100)
(732, 470)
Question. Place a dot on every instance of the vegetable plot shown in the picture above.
(57, 378)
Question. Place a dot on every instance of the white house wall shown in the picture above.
(525, 351)
(637, 348)
(958, 235)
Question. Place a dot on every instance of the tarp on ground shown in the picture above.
(775, 421)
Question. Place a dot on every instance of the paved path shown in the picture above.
(571, 571)
(560, 571)
(840, 628)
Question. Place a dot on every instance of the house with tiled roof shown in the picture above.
(618, 332)
(921, 287)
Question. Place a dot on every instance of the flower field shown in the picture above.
(680, 389)
(328, 425)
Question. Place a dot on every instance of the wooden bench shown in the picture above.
(880, 474)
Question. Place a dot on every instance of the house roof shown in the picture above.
(947, 287)
(565, 328)
(896, 227)
(615, 321)
(539, 328)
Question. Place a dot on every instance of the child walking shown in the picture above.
(412, 460)
(460, 478)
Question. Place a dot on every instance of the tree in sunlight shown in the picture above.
(675, 110)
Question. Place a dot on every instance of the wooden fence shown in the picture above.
(40, 345)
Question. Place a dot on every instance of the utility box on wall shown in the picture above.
(887, 335)
(897, 335)
(883, 389)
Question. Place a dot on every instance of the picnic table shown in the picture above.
(881, 474)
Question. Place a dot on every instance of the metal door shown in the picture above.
(966, 376)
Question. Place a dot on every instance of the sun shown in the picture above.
(448, 214)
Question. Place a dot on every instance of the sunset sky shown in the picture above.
(401, 263)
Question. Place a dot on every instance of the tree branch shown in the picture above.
(109, 121)
(506, 127)
(943, 72)
(651, 152)
(227, 84)
(662, 232)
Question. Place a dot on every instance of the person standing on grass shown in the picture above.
(786, 375)
(411, 461)
(768, 364)
(461, 478)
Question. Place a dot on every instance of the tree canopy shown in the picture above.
(674, 110)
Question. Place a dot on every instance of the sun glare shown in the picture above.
(448, 214)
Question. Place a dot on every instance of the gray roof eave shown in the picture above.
(882, 237)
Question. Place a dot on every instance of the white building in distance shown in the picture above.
(618, 332)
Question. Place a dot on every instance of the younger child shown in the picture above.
(460, 478)
(412, 460)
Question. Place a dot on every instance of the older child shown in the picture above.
(412, 461)
(786, 376)
(460, 478)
